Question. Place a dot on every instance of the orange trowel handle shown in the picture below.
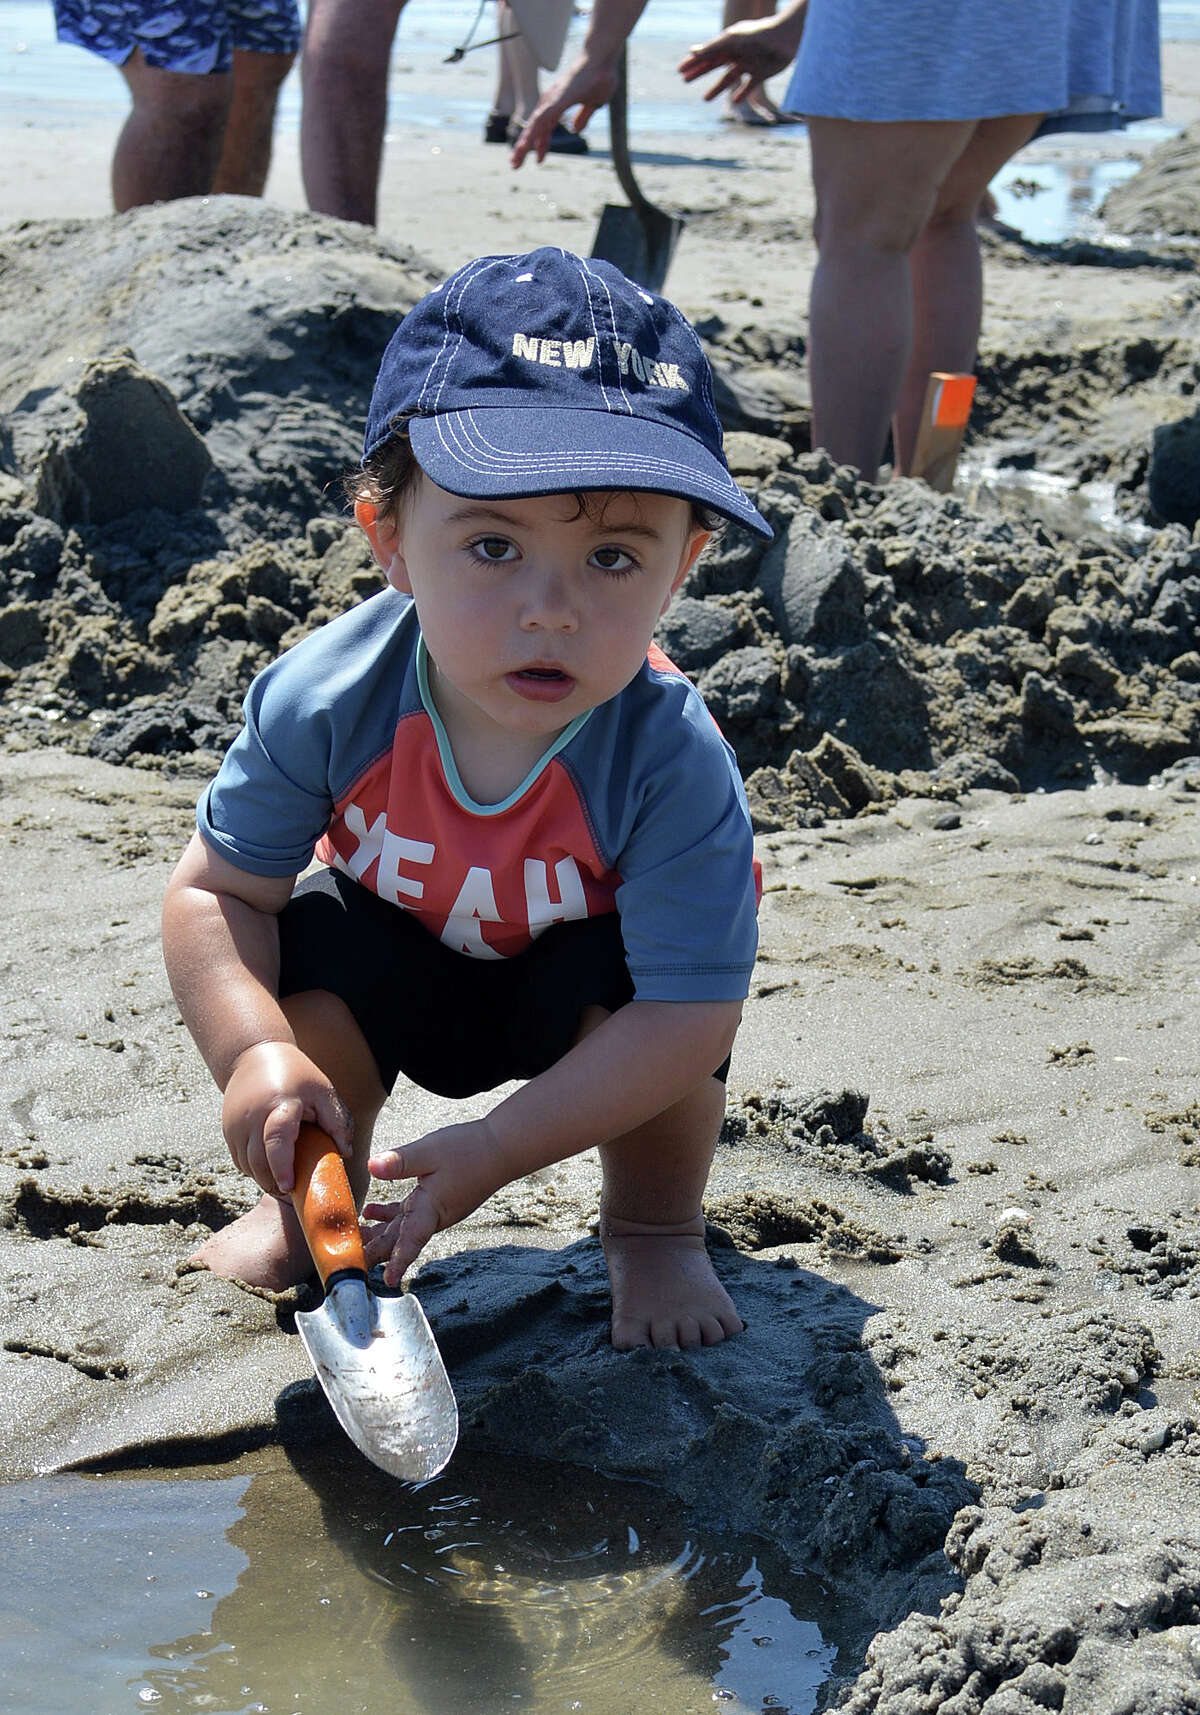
(325, 1204)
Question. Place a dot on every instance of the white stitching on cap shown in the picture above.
(484, 449)
(705, 367)
(462, 438)
(612, 321)
(468, 272)
(482, 267)
(583, 269)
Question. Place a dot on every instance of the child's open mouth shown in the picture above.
(541, 684)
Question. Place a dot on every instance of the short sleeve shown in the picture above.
(688, 895)
(314, 721)
(270, 801)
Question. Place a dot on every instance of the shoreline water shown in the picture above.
(61, 110)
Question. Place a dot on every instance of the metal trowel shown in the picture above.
(374, 1355)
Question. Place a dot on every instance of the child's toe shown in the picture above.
(629, 1332)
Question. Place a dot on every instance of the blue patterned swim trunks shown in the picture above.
(189, 36)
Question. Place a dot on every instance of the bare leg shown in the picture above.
(946, 270)
(756, 106)
(664, 1290)
(170, 144)
(505, 99)
(519, 69)
(343, 117)
(246, 152)
(876, 186)
(266, 1247)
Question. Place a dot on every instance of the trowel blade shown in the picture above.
(380, 1367)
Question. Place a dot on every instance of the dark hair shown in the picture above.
(389, 475)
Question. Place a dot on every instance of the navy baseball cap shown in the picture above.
(547, 373)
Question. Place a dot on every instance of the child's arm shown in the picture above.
(639, 1062)
(221, 946)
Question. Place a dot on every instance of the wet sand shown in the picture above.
(956, 1195)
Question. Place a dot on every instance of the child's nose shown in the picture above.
(549, 604)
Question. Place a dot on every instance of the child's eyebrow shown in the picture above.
(485, 513)
(481, 513)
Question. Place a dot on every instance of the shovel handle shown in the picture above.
(618, 128)
(323, 1200)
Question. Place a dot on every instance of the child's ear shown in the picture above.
(697, 541)
(383, 534)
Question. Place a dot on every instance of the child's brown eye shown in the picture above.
(493, 547)
(613, 560)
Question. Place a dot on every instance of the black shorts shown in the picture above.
(452, 1024)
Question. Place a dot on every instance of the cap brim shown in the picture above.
(498, 452)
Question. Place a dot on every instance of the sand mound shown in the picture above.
(185, 386)
(1162, 199)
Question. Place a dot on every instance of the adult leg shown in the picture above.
(756, 106)
(170, 144)
(266, 1246)
(519, 69)
(876, 186)
(249, 130)
(946, 271)
(505, 99)
(343, 116)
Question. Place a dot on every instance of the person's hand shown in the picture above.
(587, 85)
(272, 1089)
(753, 50)
(456, 1169)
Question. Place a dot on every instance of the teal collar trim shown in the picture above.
(450, 767)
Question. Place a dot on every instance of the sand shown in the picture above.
(956, 1194)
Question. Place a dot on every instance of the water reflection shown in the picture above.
(325, 1586)
(1050, 201)
(1068, 507)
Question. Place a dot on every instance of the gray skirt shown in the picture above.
(978, 59)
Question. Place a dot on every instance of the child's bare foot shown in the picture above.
(664, 1290)
(264, 1247)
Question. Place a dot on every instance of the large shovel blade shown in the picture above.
(379, 1365)
(639, 240)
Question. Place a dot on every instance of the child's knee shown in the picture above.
(328, 1032)
(710, 1101)
(697, 1116)
(590, 1018)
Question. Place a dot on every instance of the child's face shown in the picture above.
(532, 610)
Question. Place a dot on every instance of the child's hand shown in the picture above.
(456, 1169)
(273, 1088)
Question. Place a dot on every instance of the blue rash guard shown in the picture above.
(636, 807)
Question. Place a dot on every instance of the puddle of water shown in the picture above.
(1067, 506)
(264, 1587)
(1050, 201)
